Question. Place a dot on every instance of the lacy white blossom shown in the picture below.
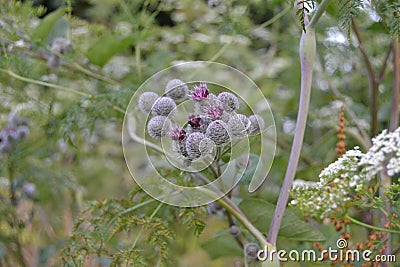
(384, 153)
(350, 173)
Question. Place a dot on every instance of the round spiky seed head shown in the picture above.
(206, 146)
(146, 101)
(257, 124)
(176, 89)
(251, 249)
(163, 106)
(179, 146)
(158, 127)
(229, 100)
(193, 144)
(217, 131)
(238, 125)
(234, 230)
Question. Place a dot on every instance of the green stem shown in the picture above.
(138, 61)
(274, 19)
(318, 13)
(94, 75)
(243, 220)
(371, 226)
(14, 203)
(51, 85)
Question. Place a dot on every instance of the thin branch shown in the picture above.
(382, 73)
(274, 18)
(376, 228)
(373, 85)
(394, 119)
(318, 13)
(46, 84)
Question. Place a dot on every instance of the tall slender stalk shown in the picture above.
(373, 84)
(307, 57)
(394, 118)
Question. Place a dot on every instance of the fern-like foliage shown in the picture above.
(107, 234)
(348, 9)
(389, 11)
(304, 7)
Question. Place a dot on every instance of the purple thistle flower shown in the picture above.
(214, 112)
(200, 92)
(194, 121)
(178, 134)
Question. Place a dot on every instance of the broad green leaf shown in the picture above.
(104, 49)
(42, 31)
(59, 29)
(109, 45)
(260, 213)
(222, 245)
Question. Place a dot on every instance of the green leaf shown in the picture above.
(251, 168)
(103, 50)
(222, 245)
(60, 29)
(108, 46)
(42, 31)
(260, 213)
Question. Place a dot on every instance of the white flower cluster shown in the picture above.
(384, 154)
(350, 173)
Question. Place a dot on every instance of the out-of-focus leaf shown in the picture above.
(109, 45)
(260, 213)
(222, 245)
(103, 50)
(60, 29)
(42, 31)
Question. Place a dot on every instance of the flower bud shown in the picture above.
(229, 100)
(251, 250)
(238, 125)
(234, 230)
(193, 144)
(158, 127)
(176, 89)
(257, 124)
(206, 146)
(217, 131)
(146, 101)
(163, 106)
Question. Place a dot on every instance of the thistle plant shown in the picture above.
(195, 135)
(214, 124)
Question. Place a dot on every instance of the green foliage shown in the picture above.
(303, 8)
(98, 236)
(348, 9)
(42, 31)
(73, 154)
(260, 213)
